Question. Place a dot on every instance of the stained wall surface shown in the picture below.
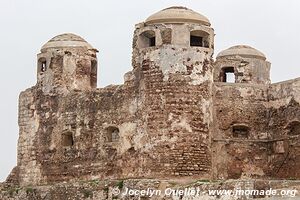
(173, 118)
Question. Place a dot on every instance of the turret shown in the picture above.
(67, 62)
(177, 39)
(242, 64)
(172, 68)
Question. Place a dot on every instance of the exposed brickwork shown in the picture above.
(175, 116)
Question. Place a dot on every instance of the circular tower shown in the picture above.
(242, 64)
(173, 35)
(172, 70)
(67, 62)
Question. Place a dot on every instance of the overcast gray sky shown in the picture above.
(272, 26)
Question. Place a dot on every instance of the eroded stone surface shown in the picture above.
(175, 116)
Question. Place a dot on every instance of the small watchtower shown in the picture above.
(242, 64)
(66, 62)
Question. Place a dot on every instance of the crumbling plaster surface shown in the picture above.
(246, 69)
(236, 104)
(173, 118)
(29, 168)
(267, 110)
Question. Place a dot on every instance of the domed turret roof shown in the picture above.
(242, 50)
(66, 40)
(177, 14)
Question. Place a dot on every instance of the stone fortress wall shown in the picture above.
(175, 117)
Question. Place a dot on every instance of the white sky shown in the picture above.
(272, 26)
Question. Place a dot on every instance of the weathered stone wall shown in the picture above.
(162, 114)
(240, 153)
(84, 116)
(172, 122)
(271, 148)
(246, 69)
(284, 112)
(172, 118)
(175, 88)
(29, 168)
(62, 69)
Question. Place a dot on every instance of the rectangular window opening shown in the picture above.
(228, 75)
(152, 42)
(196, 41)
(67, 140)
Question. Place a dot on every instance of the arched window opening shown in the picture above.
(67, 139)
(293, 128)
(42, 65)
(199, 39)
(240, 131)
(112, 134)
(227, 75)
(93, 78)
(147, 39)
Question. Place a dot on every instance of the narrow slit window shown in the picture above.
(42, 65)
(93, 78)
(152, 42)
